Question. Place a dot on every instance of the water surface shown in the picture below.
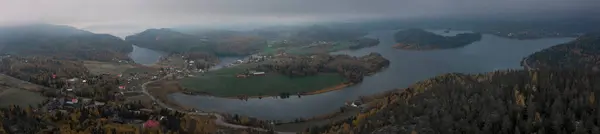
(144, 56)
(407, 67)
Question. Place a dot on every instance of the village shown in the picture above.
(107, 95)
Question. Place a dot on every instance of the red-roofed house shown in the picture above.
(151, 123)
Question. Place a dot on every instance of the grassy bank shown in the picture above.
(224, 83)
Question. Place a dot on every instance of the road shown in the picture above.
(220, 120)
(526, 65)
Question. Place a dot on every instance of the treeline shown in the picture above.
(581, 53)
(559, 101)
(422, 38)
(352, 68)
(314, 33)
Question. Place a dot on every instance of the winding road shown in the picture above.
(526, 64)
(219, 121)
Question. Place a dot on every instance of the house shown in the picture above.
(86, 100)
(258, 73)
(72, 79)
(151, 124)
(97, 103)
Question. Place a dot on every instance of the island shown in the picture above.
(286, 75)
(581, 53)
(419, 39)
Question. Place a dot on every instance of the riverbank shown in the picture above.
(376, 101)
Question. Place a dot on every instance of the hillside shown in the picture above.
(582, 53)
(497, 102)
(419, 39)
(62, 42)
(322, 33)
(39, 70)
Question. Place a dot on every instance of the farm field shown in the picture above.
(224, 83)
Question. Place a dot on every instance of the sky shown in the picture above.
(127, 16)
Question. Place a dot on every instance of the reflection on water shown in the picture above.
(406, 67)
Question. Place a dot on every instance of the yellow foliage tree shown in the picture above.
(592, 98)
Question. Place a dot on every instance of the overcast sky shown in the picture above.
(111, 16)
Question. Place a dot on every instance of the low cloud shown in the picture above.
(103, 15)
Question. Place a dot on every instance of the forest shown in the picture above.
(421, 38)
(352, 68)
(512, 101)
(582, 53)
(62, 42)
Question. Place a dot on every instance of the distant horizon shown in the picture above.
(124, 30)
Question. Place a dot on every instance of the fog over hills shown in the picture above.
(128, 17)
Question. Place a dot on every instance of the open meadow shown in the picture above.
(20, 97)
(18, 92)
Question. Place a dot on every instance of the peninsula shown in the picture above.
(419, 39)
(581, 53)
(286, 75)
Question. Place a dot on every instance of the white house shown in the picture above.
(258, 73)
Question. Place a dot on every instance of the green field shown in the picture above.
(13, 96)
(224, 83)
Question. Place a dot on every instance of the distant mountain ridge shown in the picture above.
(63, 42)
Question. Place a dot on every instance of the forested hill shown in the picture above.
(167, 40)
(322, 33)
(582, 53)
(498, 102)
(421, 39)
(218, 43)
(61, 42)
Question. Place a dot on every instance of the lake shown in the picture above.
(144, 56)
(407, 67)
